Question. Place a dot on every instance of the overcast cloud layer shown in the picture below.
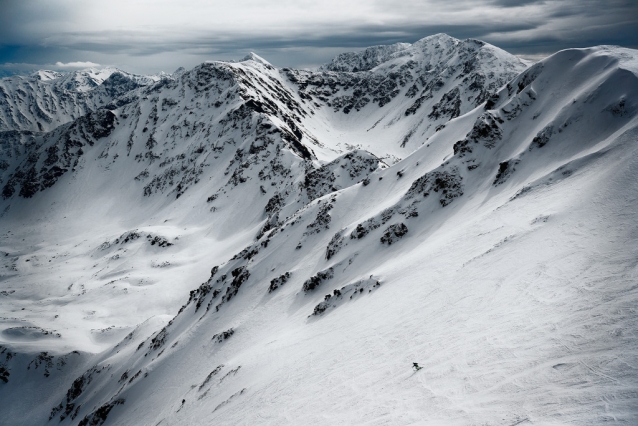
(147, 36)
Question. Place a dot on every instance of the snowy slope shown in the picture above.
(500, 255)
(151, 146)
(227, 149)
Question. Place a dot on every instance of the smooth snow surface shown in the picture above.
(240, 244)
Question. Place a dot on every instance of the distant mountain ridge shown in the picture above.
(366, 59)
(46, 99)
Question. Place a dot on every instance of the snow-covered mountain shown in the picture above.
(438, 202)
(44, 100)
(367, 59)
(403, 94)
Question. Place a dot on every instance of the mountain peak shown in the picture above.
(46, 75)
(179, 71)
(254, 57)
(364, 60)
(439, 37)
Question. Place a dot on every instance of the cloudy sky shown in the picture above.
(147, 36)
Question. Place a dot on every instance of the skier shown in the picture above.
(416, 366)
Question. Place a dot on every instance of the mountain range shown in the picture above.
(245, 244)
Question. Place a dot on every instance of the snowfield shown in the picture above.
(242, 244)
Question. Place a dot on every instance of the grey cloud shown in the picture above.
(76, 65)
(347, 38)
(24, 20)
(516, 3)
(617, 9)
(28, 34)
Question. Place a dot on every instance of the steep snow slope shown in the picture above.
(231, 141)
(500, 256)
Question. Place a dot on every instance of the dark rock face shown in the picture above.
(364, 228)
(127, 237)
(68, 407)
(448, 107)
(224, 335)
(134, 235)
(542, 137)
(118, 84)
(99, 416)
(486, 131)
(210, 376)
(315, 281)
(334, 245)
(622, 108)
(505, 169)
(157, 342)
(160, 241)
(446, 184)
(4, 365)
(275, 203)
(394, 233)
(240, 275)
(346, 293)
(275, 283)
(322, 220)
(95, 125)
(253, 119)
